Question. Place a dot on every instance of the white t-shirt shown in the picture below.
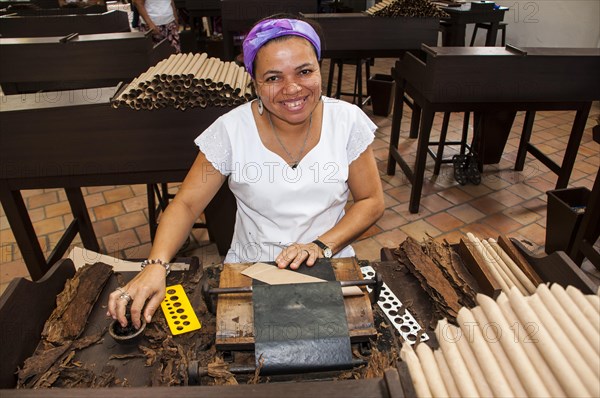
(278, 205)
(159, 11)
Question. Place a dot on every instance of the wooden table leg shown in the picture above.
(419, 171)
(415, 120)
(573, 145)
(22, 228)
(396, 121)
(589, 230)
(492, 34)
(84, 224)
(525, 137)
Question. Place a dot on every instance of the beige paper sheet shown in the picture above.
(277, 276)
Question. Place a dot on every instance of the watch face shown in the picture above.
(327, 253)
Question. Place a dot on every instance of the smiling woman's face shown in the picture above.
(288, 78)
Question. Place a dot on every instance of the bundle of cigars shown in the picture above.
(187, 81)
(546, 344)
(406, 8)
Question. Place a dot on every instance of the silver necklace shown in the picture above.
(294, 160)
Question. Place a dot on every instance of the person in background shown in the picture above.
(135, 16)
(293, 157)
(159, 16)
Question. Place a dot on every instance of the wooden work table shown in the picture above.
(76, 61)
(357, 35)
(475, 12)
(62, 25)
(484, 79)
(73, 139)
(31, 313)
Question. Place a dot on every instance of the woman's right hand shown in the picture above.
(148, 287)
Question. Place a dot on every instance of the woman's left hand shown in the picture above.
(296, 253)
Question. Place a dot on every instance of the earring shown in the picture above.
(260, 107)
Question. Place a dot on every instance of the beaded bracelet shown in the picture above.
(157, 261)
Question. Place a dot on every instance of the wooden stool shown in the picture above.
(589, 229)
(358, 79)
(486, 26)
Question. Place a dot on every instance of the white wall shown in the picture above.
(549, 23)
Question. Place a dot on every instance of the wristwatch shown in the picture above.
(327, 253)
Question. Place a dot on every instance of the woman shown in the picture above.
(292, 157)
(160, 17)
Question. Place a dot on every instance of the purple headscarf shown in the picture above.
(269, 29)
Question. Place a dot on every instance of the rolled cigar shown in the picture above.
(416, 371)
(473, 366)
(487, 328)
(504, 267)
(239, 80)
(487, 263)
(568, 346)
(525, 281)
(230, 78)
(560, 365)
(166, 76)
(594, 301)
(183, 59)
(484, 356)
(522, 336)
(584, 305)
(493, 258)
(575, 335)
(188, 71)
(145, 77)
(446, 374)
(222, 73)
(173, 60)
(431, 371)
(526, 372)
(447, 337)
(183, 68)
(213, 72)
(166, 65)
(197, 65)
(204, 69)
(576, 316)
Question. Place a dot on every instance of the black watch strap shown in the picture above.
(327, 253)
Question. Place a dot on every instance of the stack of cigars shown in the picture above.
(187, 81)
(546, 344)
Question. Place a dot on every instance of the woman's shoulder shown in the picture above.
(239, 113)
(338, 104)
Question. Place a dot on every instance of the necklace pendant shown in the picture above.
(293, 166)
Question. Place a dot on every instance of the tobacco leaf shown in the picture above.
(75, 303)
(219, 371)
(106, 378)
(449, 263)
(39, 363)
(431, 278)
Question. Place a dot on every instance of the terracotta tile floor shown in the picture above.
(507, 202)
